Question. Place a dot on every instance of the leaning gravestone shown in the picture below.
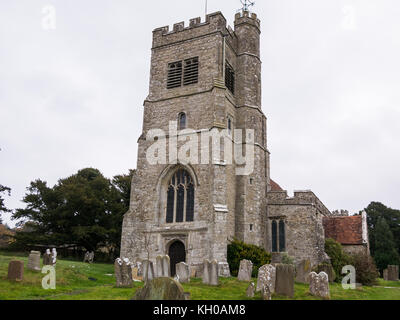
(123, 273)
(15, 271)
(148, 270)
(319, 285)
(393, 273)
(250, 290)
(245, 270)
(206, 271)
(223, 269)
(182, 271)
(284, 280)
(47, 258)
(214, 273)
(161, 289)
(34, 261)
(303, 270)
(266, 277)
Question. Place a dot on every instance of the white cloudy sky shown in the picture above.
(72, 97)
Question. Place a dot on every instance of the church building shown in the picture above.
(207, 76)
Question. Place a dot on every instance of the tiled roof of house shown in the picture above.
(345, 230)
(275, 186)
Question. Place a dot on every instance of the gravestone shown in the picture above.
(250, 290)
(54, 257)
(15, 271)
(386, 275)
(161, 289)
(266, 277)
(328, 269)
(182, 271)
(319, 285)
(214, 273)
(159, 267)
(284, 284)
(47, 258)
(393, 273)
(34, 261)
(266, 293)
(148, 270)
(193, 272)
(163, 267)
(223, 269)
(245, 270)
(206, 271)
(89, 257)
(303, 270)
(123, 273)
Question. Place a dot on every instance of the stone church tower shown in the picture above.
(207, 77)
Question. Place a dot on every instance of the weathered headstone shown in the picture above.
(161, 289)
(393, 273)
(214, 273)
(319, 285)
(284, 284)
(245, 270)
(148, 270)
(89, 257)
(386, 275)
(193, 272)
(266, 277)
(182, 270)
(206, 271)
(166, 263)
(47, 258)
(54, 257)
(15, 271)
(266, 293)
(34, 261)
(123, 273)
(328, 269)
(159, 267)
(250, 290)
(303, 270)
(135, 274)
(223, 269)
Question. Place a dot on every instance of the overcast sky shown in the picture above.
(71, 97)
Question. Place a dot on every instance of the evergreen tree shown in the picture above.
(3, 208)
(385, 248)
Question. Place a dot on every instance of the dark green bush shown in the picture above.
(238, 250)
(339, 258)
(366, 271)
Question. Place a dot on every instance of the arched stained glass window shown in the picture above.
(274, 236)
(180, 198)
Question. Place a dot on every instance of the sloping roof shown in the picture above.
(345, 230)
(275, 186)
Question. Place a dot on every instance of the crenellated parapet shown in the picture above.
(245, 17)
(214, 22)
(306, 197)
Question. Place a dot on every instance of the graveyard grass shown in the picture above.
(81, 281)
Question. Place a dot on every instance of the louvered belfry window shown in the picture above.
(183, 72)
(174, 75)
(230, 78)
(180, 198)
(191, 72)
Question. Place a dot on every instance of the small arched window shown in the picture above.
(180, 198)
(182, 121)
(274, 236)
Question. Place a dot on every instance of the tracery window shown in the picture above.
(180, 198)
(182, 121)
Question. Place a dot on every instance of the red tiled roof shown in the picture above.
(345, 230)
(275, 186)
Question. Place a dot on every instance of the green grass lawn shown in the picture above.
(73, 284)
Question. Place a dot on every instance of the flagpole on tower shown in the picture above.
(206, 6)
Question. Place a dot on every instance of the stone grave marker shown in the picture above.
(182, 270)
(319, 285)
(266, 277)
(245, 270)
(284, 284)
(16, 271)
(34, 261)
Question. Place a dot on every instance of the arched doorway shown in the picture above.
(176, 254)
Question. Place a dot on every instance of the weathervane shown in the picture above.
(247, 4)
